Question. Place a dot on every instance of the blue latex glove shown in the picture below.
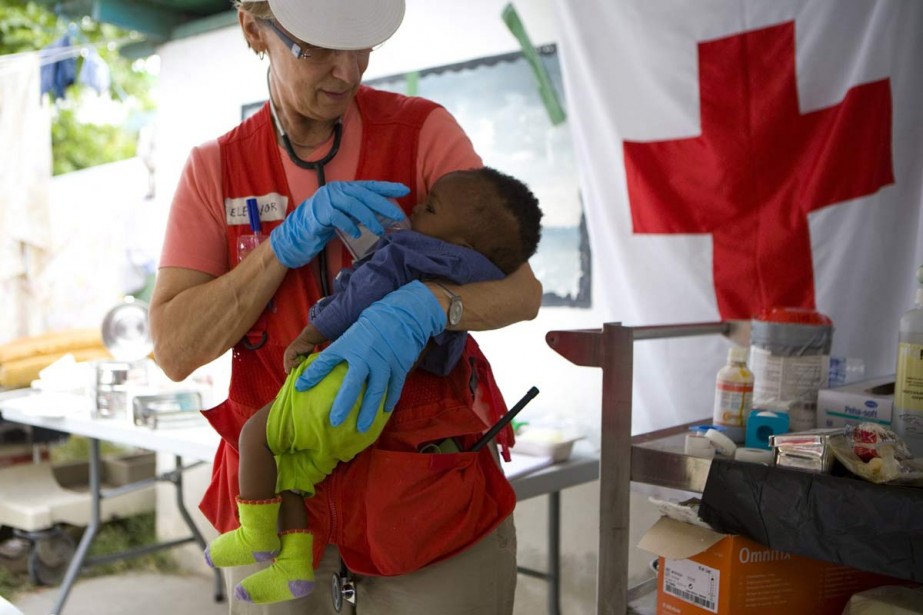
(337, 205)
(380, 347)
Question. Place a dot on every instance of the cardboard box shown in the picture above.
(116, 471)
(701, 571)
(867, 401)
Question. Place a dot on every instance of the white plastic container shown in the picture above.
(790, 359)
(734, 394)
(907, 415)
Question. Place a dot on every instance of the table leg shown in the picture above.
(554, 553)
(181, 505)
(80, 555)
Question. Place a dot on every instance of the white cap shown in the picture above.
(339, 24)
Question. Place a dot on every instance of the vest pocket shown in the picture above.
(435, 506)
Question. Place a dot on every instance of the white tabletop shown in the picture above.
(71, 414)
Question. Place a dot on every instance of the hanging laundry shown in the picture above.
(57, 75)
(95, 72)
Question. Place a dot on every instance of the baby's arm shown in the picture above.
(302, 345)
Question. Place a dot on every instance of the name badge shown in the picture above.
(272, 208)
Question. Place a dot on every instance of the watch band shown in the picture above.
(454, 312)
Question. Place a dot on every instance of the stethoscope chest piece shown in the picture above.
(342, 587)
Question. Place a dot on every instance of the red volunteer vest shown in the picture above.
(391, 510)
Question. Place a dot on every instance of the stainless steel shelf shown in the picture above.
(654, 458)
(657, 458)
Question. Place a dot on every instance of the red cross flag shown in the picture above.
(743, 155)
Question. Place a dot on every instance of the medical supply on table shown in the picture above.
(126, 330)
(127, 334)
(173, 409)
(248, 243)
(734, 394)
(907, 416)
(789, 358)
(869, 401)
(753, 455)
(805, 450)
(111, 389)
(697, 445)
(722, 443)
(877, 454)
(845, 370)
(762, 424)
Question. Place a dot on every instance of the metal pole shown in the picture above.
(77, 562)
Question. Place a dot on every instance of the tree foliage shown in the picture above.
(79, 143)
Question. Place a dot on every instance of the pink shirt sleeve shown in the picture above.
(195, 234)
(444, 147)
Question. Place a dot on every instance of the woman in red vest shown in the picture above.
(251, 244)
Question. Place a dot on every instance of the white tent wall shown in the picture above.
(205, 80)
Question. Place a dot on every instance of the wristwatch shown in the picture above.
(454, 313)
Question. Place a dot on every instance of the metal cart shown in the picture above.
(649, 458)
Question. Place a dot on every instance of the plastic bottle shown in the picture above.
(734, 394)
(907, 417)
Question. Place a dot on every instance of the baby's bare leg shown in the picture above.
(258, 472)
(257, 464)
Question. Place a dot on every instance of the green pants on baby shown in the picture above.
(306, 448)
(298, 431)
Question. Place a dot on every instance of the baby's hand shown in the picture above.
(300, 347)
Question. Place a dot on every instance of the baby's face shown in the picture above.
(443, 214)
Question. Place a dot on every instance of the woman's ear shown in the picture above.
(253, 32)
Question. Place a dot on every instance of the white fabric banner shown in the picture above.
(737, 155)
(25, 173)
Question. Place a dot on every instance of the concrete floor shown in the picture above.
(134, 593)
(156, 594)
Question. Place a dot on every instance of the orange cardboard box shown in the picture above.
(701, 572)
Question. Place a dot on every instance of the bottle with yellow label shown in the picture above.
(907, 416)
(734, 394)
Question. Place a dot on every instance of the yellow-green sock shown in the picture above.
(256, 540)
(290, 576)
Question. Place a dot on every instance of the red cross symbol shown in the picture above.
(759, 168)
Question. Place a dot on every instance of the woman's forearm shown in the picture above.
(495, 304)
(195, 317)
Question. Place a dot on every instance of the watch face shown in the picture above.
(455, 312)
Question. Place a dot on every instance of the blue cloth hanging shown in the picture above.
(95, 72)
(56, 76)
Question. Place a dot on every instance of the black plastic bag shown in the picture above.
(873, 527)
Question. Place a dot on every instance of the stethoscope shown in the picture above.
(313, 165)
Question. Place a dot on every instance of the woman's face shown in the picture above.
(317, 90)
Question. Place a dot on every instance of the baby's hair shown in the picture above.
(508, 237)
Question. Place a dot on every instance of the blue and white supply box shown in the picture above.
(860, 402)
